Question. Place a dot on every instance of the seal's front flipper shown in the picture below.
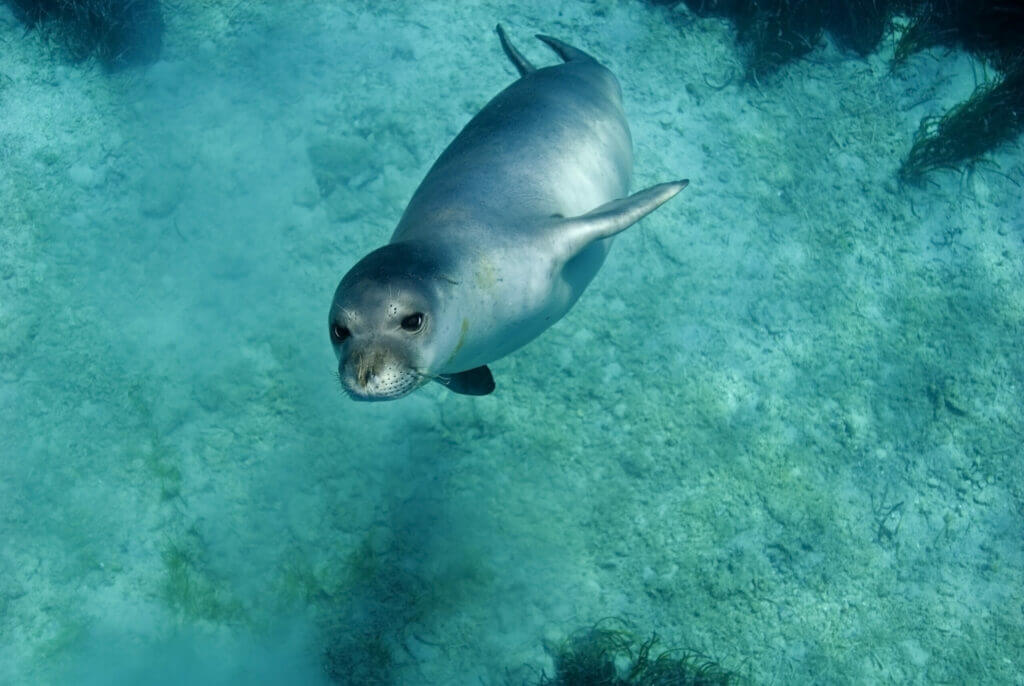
(472, 382)
(576, 233)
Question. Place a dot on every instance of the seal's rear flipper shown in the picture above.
(576, 233)
(472, 382)
(522, 64)
(564, 50)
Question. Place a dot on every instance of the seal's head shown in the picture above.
(385, 322)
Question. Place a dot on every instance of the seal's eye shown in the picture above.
(413, 323)
(339, 333)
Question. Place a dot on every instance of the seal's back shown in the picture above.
(561, 122)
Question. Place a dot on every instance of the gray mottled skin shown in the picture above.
(502, 236)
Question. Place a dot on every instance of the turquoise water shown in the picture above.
(783, 427)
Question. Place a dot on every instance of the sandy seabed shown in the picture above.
(784, 426)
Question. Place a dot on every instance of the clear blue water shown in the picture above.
(783, 426)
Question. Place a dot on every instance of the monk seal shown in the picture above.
(502, 236)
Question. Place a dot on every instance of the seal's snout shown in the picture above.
(375, 374)
(368, 365)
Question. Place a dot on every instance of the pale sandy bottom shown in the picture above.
(783, 427)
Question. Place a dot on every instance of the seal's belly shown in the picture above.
(514, 298)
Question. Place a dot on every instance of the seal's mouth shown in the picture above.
(374, 394)
(376, 375)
